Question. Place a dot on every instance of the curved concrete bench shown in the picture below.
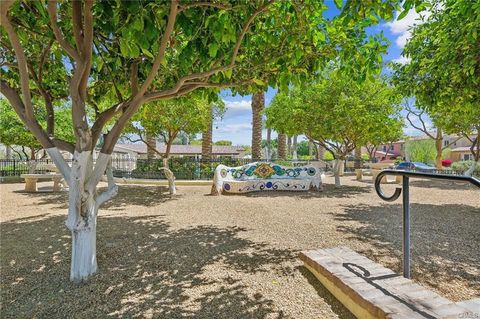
(261, 176)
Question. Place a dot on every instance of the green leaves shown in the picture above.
(212, 50)
(338, 109)
(338, 3)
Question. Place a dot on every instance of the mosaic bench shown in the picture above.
(261, 176)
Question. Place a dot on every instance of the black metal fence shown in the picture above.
(186, 168)
(183, 168)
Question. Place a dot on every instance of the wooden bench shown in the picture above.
(370, 290)
(31, 181)
(262, 176)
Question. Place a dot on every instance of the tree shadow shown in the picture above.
(323, 293)
(147, 269)
(444, 239)
(139, 195)
(329, 191)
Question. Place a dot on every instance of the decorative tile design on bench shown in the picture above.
(262, 176)
(370, 290)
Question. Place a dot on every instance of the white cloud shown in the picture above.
(234, 128)
(235, 108)
(402, 60)
(402, 28)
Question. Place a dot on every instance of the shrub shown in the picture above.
(465, 165)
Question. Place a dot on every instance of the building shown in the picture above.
(134, 151)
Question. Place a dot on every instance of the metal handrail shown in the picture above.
(406, 201)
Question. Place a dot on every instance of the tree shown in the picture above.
(207, 138)
(223, 143)
(14, 132)
(258, 104)
(444, 70)
(282, 146)
(436, 136)
(336, 113)
(166, 119)
(114, 56)
(421, 151)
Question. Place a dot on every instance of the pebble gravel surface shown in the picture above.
(232, 256)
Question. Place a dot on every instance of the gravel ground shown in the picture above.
(199, 256)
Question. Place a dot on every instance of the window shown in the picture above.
(445, 143)
(402, 146)
(391, 147)
(384, 148)
(467, 157)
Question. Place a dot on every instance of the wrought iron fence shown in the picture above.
(182, 167)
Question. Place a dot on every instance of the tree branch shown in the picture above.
(235, 51)
(77, 24)
(14, 98)
(419, 116)
(205, 4)
(21, 62)
(52, 13)
(161, 51)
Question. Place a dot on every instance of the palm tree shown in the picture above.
(269, 144)
(282, 146)
(258, 104)
(207, 139)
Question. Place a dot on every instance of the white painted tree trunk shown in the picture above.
(294, 148)
(83, 178)
(337, 169)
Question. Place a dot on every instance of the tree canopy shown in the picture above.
(337, 112)
(14, 132)
(189, 114)
(443, 73)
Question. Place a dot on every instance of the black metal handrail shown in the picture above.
(406, 201)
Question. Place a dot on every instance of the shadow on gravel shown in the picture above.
(445, 239)
(329, 191)
(146, 269)
(138, 195)
(337, 307)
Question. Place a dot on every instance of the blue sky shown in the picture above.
(236, 124)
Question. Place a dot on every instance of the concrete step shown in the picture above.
(370, 290)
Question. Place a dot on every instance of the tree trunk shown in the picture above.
(294, 148)
(151, 145)
(289, 146)
(282, 146)
(207, 140)
(168, 173)
(82, 179)
(320, 152)
(8, 152)
(258, 104)
(439, 148)
(475, 150)
(170, 177)
(337, 168)
(269, 144)
(358, 157)
(32, 163)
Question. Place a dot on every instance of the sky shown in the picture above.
(236, 124)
